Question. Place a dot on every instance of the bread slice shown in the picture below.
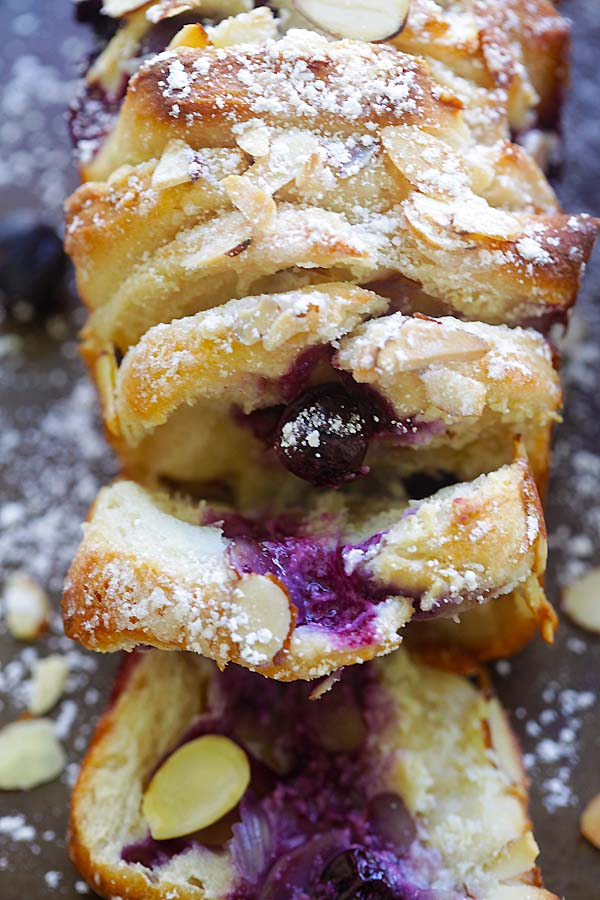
(299, 595)
(439, 746)
(444, 395)
(230, 173)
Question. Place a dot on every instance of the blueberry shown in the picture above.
(357, 874)
(90, 13)
(323, 436)
(32, 263)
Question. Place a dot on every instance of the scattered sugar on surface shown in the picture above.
(52, 454)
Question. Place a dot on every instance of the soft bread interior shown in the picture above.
(472, 809)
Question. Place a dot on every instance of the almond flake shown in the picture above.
(476, 218)
(356, 19)
(254, 139)
(590, 822)
(455, 394)
(516, 858)
(247, 28)
(255, 204)
(30, 754)
(422, 343)
(174, 166)
(428, 163)
(26, 607)
(47, 684)
(117, 8)
(581, 601)
(196, 786)
(267, 617)
(192, 35)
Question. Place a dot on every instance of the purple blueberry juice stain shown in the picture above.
(92, 116)
(314, 823)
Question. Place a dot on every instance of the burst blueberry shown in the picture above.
(357, 874)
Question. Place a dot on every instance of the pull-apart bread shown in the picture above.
(401, 783)
(312, 267)
(316, 587)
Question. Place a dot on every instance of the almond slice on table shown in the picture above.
(360, 20)
(26, 606)
(30, 754)
(197, 785)
(590, 822)
(47, 684)
(581, 601)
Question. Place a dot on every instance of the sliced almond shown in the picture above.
(47, 684)
(26, 607)
(117, 8)
(324, 686)
(428, 163)
(248, 28)
(30, 754)
(254, 203)
(356, 19)
(455, 394)
(105, 370)
(480, 220)
(174, 166)
(196, 786)
(581, 601)
(590, 822)
(192, 35)
(288, 155)
(266, 619)
(430, 218)
(213, 9)
(516, 858)
(422, 343)
(254, 138)
(504, 743)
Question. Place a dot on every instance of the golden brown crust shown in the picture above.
(476, 226)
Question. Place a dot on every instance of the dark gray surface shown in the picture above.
(52, 460)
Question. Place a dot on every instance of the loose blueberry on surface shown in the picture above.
(32, 263)
(357, 874)
(90, 12)
(323, 436)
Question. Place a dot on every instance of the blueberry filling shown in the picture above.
(320, 574)
(314, 823)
